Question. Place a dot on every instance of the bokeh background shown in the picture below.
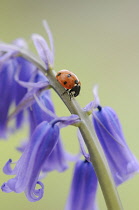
(98, 41)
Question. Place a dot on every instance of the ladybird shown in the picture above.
(69, 81)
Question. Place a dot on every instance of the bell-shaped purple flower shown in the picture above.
(57, 160)
(83, 190)
(7, 92)
(11, 92)
(28, 168)
(122, 162)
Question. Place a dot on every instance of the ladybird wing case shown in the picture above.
(69, 81)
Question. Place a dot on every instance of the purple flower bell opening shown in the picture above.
(29, 166)
(27, 170)
(57, 160)
(83, 190)
(122, 162)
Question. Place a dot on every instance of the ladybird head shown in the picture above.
(75, 90)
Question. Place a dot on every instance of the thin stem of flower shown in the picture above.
(97, 156)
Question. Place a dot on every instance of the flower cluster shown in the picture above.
(26, 90)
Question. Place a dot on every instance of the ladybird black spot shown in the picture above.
(69, 75)
(58, 74)
(65, 82)
(76, 82)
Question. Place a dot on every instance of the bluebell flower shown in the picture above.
(7, 91)
(29, 166)
(58, 158)
(27, 70)
(122, 162)
(10, 91)
(83, 190)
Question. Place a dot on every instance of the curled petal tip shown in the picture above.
(7, 168)
(34, 195)
(5, 188)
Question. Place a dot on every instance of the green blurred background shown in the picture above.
(98, 41)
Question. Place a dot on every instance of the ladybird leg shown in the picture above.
(71, 94)
(64, 92)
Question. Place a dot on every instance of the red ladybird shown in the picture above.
(69, 81)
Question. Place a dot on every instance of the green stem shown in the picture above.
(95, 150)
(97, 156)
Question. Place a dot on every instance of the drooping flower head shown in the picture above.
(11, 90)
(83, 190)
(122, 162)
(29, 166)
